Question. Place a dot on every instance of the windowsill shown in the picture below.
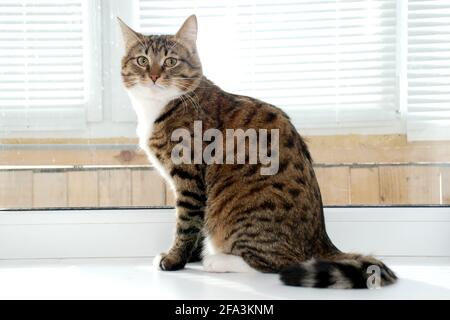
(106, 254)
(135, 278)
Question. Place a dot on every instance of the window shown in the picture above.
(327, 63)
(367, 82)
(49, 77)
(428, 70)
(336, 66)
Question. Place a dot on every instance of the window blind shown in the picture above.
(428, 69)
(42, 53)
(326, 60)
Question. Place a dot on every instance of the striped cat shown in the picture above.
(246, 220)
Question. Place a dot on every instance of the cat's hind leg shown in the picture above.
(221, 262)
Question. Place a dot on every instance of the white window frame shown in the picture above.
(120, 104)
(121, 233)
(19, 120)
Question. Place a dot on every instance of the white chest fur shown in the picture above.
(148, 102)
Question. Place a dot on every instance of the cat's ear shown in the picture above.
(130, 37)
(188, 31)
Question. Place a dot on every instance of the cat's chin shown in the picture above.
(156, 92)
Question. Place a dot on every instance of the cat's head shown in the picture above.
(161, 65)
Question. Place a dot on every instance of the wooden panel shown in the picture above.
(16, 189)
(170, 196)
(364, 186)
(368, 149)
(336, 149)
(114, 188)
(147, 188)
(334, 184)
(49, 189)
(78, 157)
(82, 188)
(141, 187)
(445, 176)
(409, 185)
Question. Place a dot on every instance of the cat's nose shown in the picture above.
(154, 77)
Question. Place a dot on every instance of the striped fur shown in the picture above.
(271, 223)
(341, 271)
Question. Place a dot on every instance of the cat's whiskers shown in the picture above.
(195, 104)
(185, 106)
(185, 87)
(185, 78)
(187, 97)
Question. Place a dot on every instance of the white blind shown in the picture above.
(428, 69)
(42, 53)
(307, 56)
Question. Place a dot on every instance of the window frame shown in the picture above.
(146, 232)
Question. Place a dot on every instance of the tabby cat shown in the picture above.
(245, 220)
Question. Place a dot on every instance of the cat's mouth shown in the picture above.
(153, 85)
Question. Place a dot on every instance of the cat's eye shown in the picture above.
(142, 61)
(170, 62)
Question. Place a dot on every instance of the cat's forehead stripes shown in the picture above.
(162, 44)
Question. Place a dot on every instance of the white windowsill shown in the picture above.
(135, 278)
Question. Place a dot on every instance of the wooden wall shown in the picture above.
(385, 184)
(142, 186)
(351, 169)
(81, 188)
(330, 150)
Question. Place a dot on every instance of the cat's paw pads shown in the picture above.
(168, 262)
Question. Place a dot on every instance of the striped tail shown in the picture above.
(340, 271)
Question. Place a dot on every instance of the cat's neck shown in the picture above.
(149, 104)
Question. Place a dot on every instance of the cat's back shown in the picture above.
(239, 193)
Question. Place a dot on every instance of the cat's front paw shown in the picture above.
(168, 262)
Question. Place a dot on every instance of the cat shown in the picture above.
(248, 222)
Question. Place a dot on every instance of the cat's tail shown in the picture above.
(340, 271)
